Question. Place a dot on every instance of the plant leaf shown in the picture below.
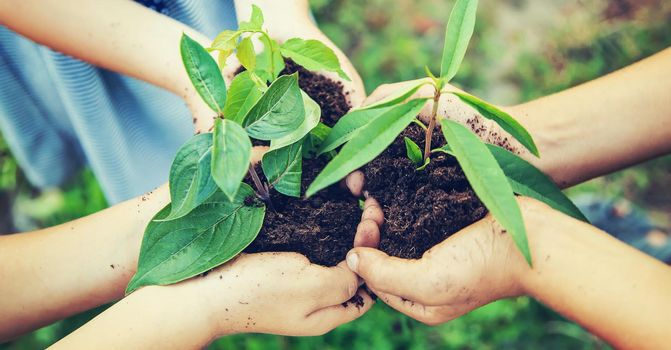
(400, 95)
(283, 168)
(314, 139)
(269, 56)
(507, 122)
(312, 55)
(204, 73)
(255, 22)
(413, 152)
(190, 180)
(348, 125)
(488, 181)
(213, 233)
(457, 35)
(279, 112)
(312, 116)
(246, 54)
(423, 166)
(242, 95)
(371, 140)
(232, 152)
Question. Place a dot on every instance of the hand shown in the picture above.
(474, 267)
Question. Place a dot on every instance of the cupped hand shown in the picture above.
(474, 267)
(278, 293)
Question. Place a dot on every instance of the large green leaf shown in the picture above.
(279, 112)
(313, 114)
(312, 55)
(190, 180)
(526, 180)
(213, 233)
(507, 122)
(232, 152)
(242, 95)
(283, 168)
(399, 95)
(246, 54)
(204, 73)
(348, 125)
(457, 35)
(488, 181)
(371, 140)
(314, 140)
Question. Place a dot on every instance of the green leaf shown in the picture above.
(488, 181)
(400, 95)
(505, 121)
(246, 54)
(283, 168)
(371, 140)
(314, 140)
(255, 23)
(348, 125)
(269, 59)
(279, 112)
(312, 116)
(232, 152)
(413, 152)
(457, 35)
(312, 55)
(213, 233)
(190, 180)
(204, 73)
(242, 95)
(225, 41)
(423, 166)
(526, 180)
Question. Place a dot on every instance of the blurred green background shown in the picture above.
(522, 49)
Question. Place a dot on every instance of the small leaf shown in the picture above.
(505, 121)
(312, 55)
(283, 168)
(314, 140)
(212, 234)
(488, 181)
(400, 95)
(426, 163)
(255, 23)
(204, 73)
(457, 35)
(246, 54)
(413, 152)
(225, 41)
(348, 125)
(190, 180)
(312, 116)
(371, 140)
(232, 152)
(279, 112)
(269, 59)
(242, 95)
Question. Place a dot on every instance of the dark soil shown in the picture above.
(322, 227)
(421, 208)
(327, 93)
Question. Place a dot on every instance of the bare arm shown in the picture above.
(604, 125)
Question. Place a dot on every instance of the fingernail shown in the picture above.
(353, 261)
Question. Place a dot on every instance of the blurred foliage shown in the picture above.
(522, 49)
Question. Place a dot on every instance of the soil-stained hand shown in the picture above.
(474, 267)
(278, 293)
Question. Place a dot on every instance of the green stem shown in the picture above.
(432, 124)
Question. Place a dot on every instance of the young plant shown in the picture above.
(213, 214)
(494, 173)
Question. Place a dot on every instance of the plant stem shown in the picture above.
(263, 192)
(432, 124)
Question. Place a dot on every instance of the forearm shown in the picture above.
(63, 270)
(604, 125)
(615, 291)
(151, 318)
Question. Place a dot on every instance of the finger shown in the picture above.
(372, 211)
(354, 182)
(429, 315)
(388, 274)
(381, 92)
(335, 285)
(257, 153)
(330, 317)
(367, 234)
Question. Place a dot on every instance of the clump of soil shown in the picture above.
(321, 227)
(329, 94)
(421, 208)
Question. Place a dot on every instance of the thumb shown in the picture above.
(385, 273)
